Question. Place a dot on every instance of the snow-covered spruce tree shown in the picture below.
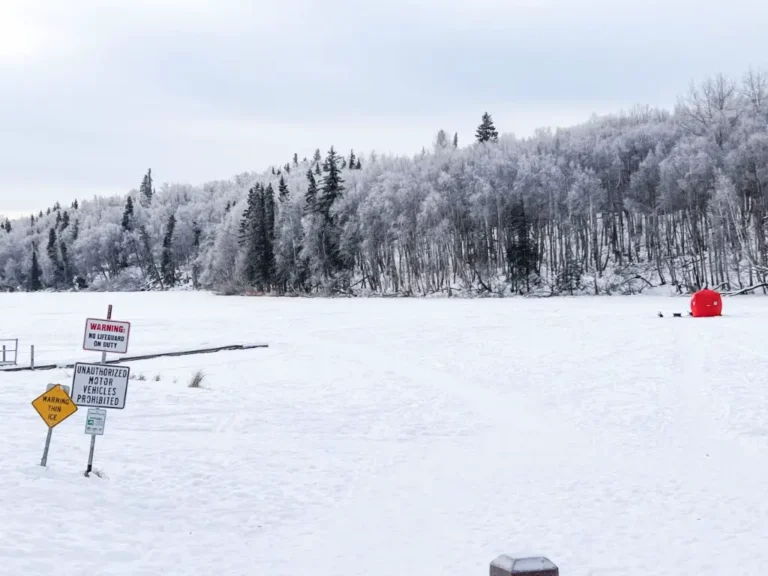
(257, 237)
(325, 228)
(268, 261)
(486, 132)
(310, 197)
(250, 238)
(128, 214)
(283, 193)
(68, 274)
(167, 266)
(57, 272)
(34, 283)
(146, 191)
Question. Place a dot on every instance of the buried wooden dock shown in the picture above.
(233, 347)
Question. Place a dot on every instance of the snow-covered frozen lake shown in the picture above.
(395, 437)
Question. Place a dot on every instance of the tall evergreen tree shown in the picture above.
(318, 171)
(268, 261)
(58, 219)
(145, 190)
(352, 160)
(66, 268)
(128, 214)
(250, 238)
(51, 248)
(295, 159)
(332, 184)
(34, 283)
(65, 221)
(53, 255)
(310, 198)
(317, 157)
(197, 234)
(329, 231)
(455, 139)
(359, 165)
(487, 131)
(75, 205)
(441, 140)
(167, 266)
(287, 168)
(282, 191)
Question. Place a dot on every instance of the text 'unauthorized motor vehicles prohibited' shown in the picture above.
(106, 336)
(100, 386)
(95, 421)
(54, 406)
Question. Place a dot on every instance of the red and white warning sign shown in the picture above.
(106, 336)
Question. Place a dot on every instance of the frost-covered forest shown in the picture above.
(616, 205)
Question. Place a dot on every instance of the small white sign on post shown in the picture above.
(95, 421)
(100, 386)
(106, 336)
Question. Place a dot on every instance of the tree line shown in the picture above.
(619, 204)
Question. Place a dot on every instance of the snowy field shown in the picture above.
(395, 438)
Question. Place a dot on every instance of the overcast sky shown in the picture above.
(92, 93)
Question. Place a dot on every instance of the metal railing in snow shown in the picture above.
(10, 351)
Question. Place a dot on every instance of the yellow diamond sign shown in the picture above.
(54, 406)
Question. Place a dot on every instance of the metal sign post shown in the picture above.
(93, 436)
(101, 386)
(54, 406)
(94, 425)
(44, 460)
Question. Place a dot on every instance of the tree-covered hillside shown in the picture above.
(616, 205)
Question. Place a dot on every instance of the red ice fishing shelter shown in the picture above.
(706, 303)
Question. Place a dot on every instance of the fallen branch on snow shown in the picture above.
(747, 289)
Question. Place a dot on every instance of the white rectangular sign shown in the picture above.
(95, 421)
(100, 386)
(106, 336)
